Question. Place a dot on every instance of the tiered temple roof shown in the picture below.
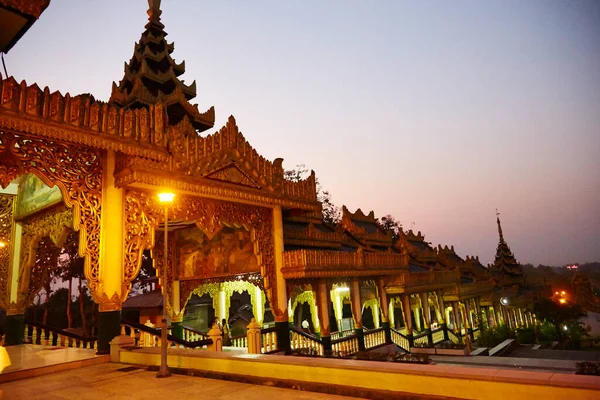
(505, 263)
(366, 230)
(152, 76)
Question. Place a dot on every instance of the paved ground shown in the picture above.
(119, 381)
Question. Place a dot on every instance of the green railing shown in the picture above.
(400, 340)
(38, 333)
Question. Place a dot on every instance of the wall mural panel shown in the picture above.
(230, 252)
(34, 196)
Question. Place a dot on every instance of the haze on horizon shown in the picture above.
(435, 112)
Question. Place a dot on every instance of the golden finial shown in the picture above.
(154, 9)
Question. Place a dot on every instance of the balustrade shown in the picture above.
(438, 336)
(36, 333)
(301, 340)
(269, 340)
(374, 338)
(345, 346)
(421, 339)
(239, 341)
(400, 340)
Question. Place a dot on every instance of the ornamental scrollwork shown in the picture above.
(6, 244)
(55, 223)
(306, 297)
(77, 171)
(241, 286)
(144, 213)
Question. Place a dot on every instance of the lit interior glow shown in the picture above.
(166, 197)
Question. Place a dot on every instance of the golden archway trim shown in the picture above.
(77, 171)
(144, 213)
(6, 245)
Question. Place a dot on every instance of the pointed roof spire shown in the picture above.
(499, 226)
(152, 76)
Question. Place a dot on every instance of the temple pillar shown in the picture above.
(279, 307)
(443, 318)
(478, 311)
(417, 313)
(338, 307)
(468, 319)
(357, 313)
(385, 310)
(177, 315)
(323, 299)
(14, 329)
(109, 293)
(392, 308)
(407, 318)
(258, 308)
(457, 319)
(426, 315)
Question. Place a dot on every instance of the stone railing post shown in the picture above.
(217, 337)
(117, 343)
(254, 338)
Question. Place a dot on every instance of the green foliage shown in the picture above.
(389, 224)
(492, 337)
(547, 332)
(525, 335)
(557, 314)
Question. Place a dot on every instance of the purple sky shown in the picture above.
(435, 112)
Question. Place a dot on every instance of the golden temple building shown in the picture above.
(75, 164)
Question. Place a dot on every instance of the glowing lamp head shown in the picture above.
(563, 293)
(2, 244)
(562, 301)
(166, 197)
(504, 301)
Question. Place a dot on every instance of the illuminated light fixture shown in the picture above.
(562, 301)
(2, 245)
(555, 292)
(504, 301)
(342, 289)
(166, 197)
(563, 293)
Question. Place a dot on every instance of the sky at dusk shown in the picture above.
(435, 112)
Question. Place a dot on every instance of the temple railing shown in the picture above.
(192, 335)
(341, 334)
(240, 341)
(302, 340)
(471, 289)
(453, 337)
(37, 333)
(400, 340)
(437, 336)
(427, 278)
(374, 338)
(421, 338)
(345, 346)
(269, 340)
(311, 233)
(327, 259)
(146, 336)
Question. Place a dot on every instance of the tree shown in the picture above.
(557, 314)
(71, 267)
(389, 224)
(142, 281)
(331, 213)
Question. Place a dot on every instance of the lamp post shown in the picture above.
(163, 372)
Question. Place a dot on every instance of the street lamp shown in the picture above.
(166, 199)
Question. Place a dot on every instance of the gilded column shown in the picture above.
(385, 310)
(111, 258)
(357, 313)
(444, 319)
(407, 318)
(457, 319)
(426, 316)
(323, 301)
(468, 318)
(280, 309)
(177, 315)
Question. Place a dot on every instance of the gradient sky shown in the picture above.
(435, 112)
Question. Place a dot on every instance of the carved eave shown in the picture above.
(301, 264)
(349, 224)
(82, 120)
(417, 282)
(310, 236)
(140, 176)
(465, 291)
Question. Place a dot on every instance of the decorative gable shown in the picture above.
(232, 174)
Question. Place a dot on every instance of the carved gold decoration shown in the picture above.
(188, 287)
(76, 170)
(144, 213)
(240, 286)
(324, 263)
(55, 223)
(306, 297)
(6, 245)
(80, 120)
(415, 282)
